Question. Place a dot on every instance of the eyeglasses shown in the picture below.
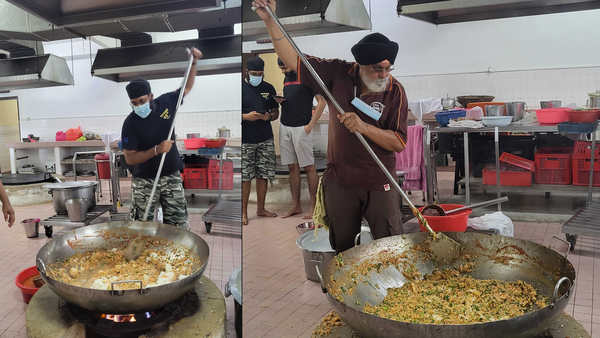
(378, 69)
(142, 102)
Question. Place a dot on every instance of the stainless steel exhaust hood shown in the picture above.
(221, 55)
(34, 72)
(453, 11)
(309, 17)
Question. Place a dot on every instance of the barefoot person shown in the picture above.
(296, 136)
(259, 108)
(353, 184)
(7, 209)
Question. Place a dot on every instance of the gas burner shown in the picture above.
(100, 325)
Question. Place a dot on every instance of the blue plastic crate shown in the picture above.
(575, 128)
(209, 151)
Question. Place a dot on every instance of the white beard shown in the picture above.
(374, 86)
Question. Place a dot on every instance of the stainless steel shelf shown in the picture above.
(476, 183)
(224, 212)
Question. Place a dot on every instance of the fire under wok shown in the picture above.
(118, 234)
(349, 285)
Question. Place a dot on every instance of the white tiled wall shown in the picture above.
(205, 123)
(569, 85)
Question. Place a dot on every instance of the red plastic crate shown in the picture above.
(553, 166)
(227, 175)
(196, 176)
(581, 170)
(585, 148)
(518, 161)
(507, 178)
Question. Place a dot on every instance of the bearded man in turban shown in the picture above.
(354, 187)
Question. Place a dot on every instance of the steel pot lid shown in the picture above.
(595, 94)
(320, 243)
(70, 185)
(223, 129)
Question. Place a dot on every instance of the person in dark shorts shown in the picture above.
(144, 138)
(354, 186)
(259, 108)
(296, 136)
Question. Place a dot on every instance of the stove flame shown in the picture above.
(125, 318)
(120, 318)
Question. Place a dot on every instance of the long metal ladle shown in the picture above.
(444, 248)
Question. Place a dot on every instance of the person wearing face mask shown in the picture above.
(144, 138)
(296, 136)
(354, 187)
(259, 108)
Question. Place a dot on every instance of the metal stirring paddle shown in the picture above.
(444, 248)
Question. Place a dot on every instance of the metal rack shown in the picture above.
(99, 210)
(224, 212)
(584, 222)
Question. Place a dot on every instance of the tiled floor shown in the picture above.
(280, 302)
(17, 252)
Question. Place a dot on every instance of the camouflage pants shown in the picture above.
(258, 160)
(169, 195)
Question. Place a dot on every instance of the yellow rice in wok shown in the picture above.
(97, 269)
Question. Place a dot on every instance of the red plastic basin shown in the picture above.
(553, 115)
(26, 292)
(584, 116)
(452, 222)
(194, 143)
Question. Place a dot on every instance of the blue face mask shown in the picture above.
(143, 111)
(255, 80)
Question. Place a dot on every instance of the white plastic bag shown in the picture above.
(497, 220)
(110, 137)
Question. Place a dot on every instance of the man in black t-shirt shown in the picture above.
(259, 108)
(144, 137)
(296, 136)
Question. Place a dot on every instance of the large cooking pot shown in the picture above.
(109, 235)
(549, 272)
(515, 109)
(316, 251)
(67, 190)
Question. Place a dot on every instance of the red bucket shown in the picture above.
(26, 292)
(452, 222)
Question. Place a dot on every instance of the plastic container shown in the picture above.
(553, 115)
(584, 116)
(215, 143)
(194, 143)
(581, 170)
(483, 150)
(443, 118)
(26, 292)
(507, 178)
(553, 166)
(452, 222)
(196, 176)
(227, 175)
(103, 163)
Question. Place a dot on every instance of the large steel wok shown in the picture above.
(495, 257)
(109, 235)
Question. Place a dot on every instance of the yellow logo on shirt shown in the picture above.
(165, 114)
(265, 95)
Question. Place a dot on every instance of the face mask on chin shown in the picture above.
(143, 110)
(254, 80)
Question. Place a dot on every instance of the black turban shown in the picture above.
(375, 48)
(137, 88)
(256, 64)
(280, 63)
